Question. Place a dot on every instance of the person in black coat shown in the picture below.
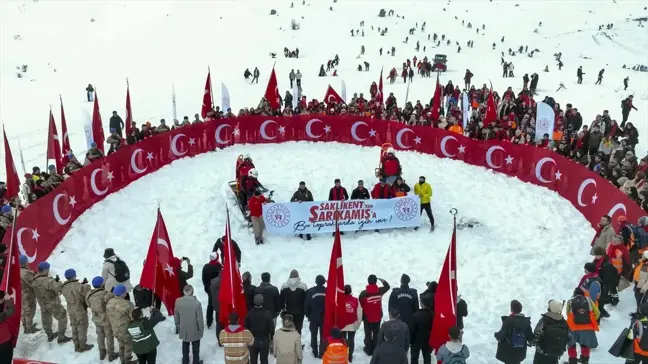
(293, 299)
(551, 335)
(462, 311)
(302, 194)
(248, 290)
(262, 326)
(514, 336)
(210, 271)
(183, 276)
(360, 192)
(405, 300)
(271, 297)
(116, 123)
(314, 311)
(421, 327)
(218, 246)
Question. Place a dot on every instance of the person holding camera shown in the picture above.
(183, 276)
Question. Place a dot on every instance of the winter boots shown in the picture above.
(123, 360)
(82, 348)
(102, 354)
(63, 339)
(112, 356)
(32, 329)
(51, 337)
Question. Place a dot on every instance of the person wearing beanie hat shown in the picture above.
(261, 324)
(28, 309)
(210, 271)
(314, 312)
(48, 295)
(115, 271)
(293, 299)
(424, 191)
(582, 319)
(94, 153)
(405, 299)
(189, 323)
(514, 335)
(287, 348)
(73, 290)
(371, 304)
(337, 350)
(118, 310)
(96, 300)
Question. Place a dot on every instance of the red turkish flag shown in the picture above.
(161, 267)
(97, 125)
(335, 300)
(436, 100)
(11, 284)
(207, 104)
(491, 109)
(54, 144)
(129, 111)
(231, 296)
(332, 97)
(66, 147)
(13, 181)
(272, 91)
(379, 95)
(445, 298)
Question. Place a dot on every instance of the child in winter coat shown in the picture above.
(453, 349)
(514, 336)
(287, 343)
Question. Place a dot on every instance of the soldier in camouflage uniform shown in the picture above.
(96, 300)
(47, 291)
(119, 311)
(28, 297)
(74, 293)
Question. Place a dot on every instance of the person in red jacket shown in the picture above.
(251, 182)
(337, 192)
(255, 204)
(242, 169)
(6, 337)
(390, 165)
(371, 303)
(352, 319)
(382, 190)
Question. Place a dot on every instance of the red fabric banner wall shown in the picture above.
(43, 224)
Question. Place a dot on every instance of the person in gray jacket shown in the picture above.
(190, 324)
(453, 349)
(214, 288)
(389, 352)
(398, 328)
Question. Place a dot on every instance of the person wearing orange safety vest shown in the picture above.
(639, 335)
(582, 316)
(619, 256)
(609, 279)
(337, 351)
(640, 278)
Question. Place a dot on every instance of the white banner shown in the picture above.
(87, 127)
(318, 217)
(225, 98)
(465, 107)
(544, 121)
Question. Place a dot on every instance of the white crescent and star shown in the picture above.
(21, 248)
(489, 156)
(309, 129)
(133, 161)
(93, 183)
(444, 151)
(220, 140)
(354, 130)
(55, 209)
(617, 207)
(581, 189)
(538, 170)
(262, 129)
(399, 138)
(174, 146)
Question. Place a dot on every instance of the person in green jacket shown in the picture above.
(424, 191)
(145, 341)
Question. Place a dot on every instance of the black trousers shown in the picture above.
(195, 351)
(6, 352)
(640, 359)
(298, 320)
(259, 351)
(545, 359)
(316, 331)
(349, 336)
(428, 210)
(426, 351)
(210, 311)
(148, 358)
(371, 336)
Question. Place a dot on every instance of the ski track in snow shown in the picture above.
(510, 256)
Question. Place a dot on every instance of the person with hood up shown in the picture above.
(293, 299)
(421, 328)
(271, 297)
(189, 323)
(210, 271)
(236, 339)
(115, 271)
(353, 314)
(390, 352)
(514, 336)
(398, 327)
(314, 311)
(551, 335)
(604, 233)
(405, 300)
(337, 351)
(48, 291)
(262, 326)
(287, 348)
(454, 351)
(6, 336)
(371, 304)
(141, 330)
(582, 317)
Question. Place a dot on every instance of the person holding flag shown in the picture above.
(7, 310)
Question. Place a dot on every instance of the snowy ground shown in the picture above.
(157, 44)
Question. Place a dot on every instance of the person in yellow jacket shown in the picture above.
(424, 191)
(582, 316)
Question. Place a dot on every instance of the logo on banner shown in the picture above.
(406, 209)
(544, 123)
(278, 216)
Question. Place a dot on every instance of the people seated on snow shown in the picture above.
(93, 154)
(53, 179)
(72, 165)
(146, 132)
(389, 164)
(115, 141)
(382, 190)
(400, 188)
(252, 183)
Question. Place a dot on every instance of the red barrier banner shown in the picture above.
(28, 361)
(44, 223)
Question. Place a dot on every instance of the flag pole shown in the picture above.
(211, 88)
(173, 100)
(453, 212)
(11, 242)
(157, 232)
(48, 136)
(22, 159)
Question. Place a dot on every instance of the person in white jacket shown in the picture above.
(108, 273)
(353, 312)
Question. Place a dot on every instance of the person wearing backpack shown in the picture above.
(551, 335)
(582, 316)
(454, 351)
(514, 336)
(114, 272)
